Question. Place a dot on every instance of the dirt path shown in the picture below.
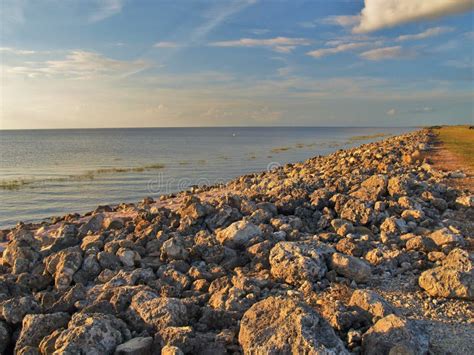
(445, 160)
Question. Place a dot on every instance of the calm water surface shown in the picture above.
(53, 172)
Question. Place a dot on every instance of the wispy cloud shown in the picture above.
(79, 65)
(387, 53)
(277, 44)
(319, 53)
(16, 51)
(392, 112)
(378, 14)
(430, 32)
(165, 44)
(105, 9)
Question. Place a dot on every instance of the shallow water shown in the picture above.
(54, 172)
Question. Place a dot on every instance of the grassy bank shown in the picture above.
(459, 140)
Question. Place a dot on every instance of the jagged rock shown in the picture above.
(63, 265)
(92, 333)
(159, 312)
(357, 212)
(135, 346)
(111, 223)
(350, 267)
(454, 279)
(298, 262)
(444, 236)
(14, 309)
(94, 224)
(36, 326)
(128, 257)
(372, 189)
(394, 335)
(174, 249)
(238, 234)
(284, 326)
(372, 303)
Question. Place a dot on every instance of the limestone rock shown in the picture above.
(284, 326)
(454, 279)
(297, 262)
(238, 234)
(36, 326)
(350, 267)
(393, 333)
(92, 333)
(371, 302)
(160, 312)
(15, 309)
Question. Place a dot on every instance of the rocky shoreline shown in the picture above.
(365, 251)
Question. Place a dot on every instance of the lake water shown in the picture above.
(46, 173)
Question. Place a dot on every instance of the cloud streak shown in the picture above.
(430, 32)
(319, 53)
(387, 53)
(79, 65)
(277, 44)
(378, 14)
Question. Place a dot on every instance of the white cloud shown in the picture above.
(344, 20)
(319, 53)
(430, 32)
(387, 53)
(278, 44)
(79, 65)
(16, 51)
(165, 44)
(392, 112)
(378, 14)
(105, 9)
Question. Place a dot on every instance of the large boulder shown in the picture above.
(394, 335)
(36, 326)
(297, 262)
(238, 234)
(351, 267)
(91, 333)
(285, 326)
(453, 279)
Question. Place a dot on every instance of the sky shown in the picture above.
(146, 63)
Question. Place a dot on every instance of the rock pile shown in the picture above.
(241, 267)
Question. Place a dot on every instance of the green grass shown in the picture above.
(459, 140)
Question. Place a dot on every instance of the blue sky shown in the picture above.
(142, 63)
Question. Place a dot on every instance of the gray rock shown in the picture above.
(36, 326)
(15, 309)
(92, 333)
(135, 346)
(4, 337)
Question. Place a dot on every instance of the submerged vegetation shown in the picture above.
(369, 136)
(17, 183)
